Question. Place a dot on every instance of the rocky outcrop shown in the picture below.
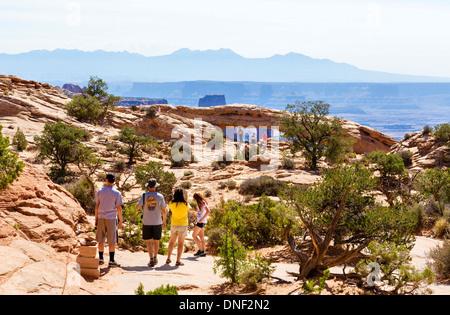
(31, 104)
(426, 151)
(73, 88)
(234, 115)
(32, 268)
(41, 211)
(212, 100)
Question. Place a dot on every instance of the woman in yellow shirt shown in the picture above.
(179, 208)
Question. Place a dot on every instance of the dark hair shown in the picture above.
(111, 178)
(199, 198)
(178, 196)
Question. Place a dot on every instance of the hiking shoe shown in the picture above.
(151, 263)
(198, 253)
(202, 254)
(114, 264)
(155, 260)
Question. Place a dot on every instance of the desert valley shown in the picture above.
(43, 226)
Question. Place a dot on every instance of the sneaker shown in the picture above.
(202, 254)
(179, 263)
(155, 260)
(151, 263)
(114, 264)
(198, 253)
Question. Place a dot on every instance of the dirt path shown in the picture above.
(197, 275)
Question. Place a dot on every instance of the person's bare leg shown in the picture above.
(202, 239)
(196, 238)
(180, 247)
(150, 248)
(155, 250)
(171, 245)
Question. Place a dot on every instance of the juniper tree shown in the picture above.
(314, 133)
(339, 213)
(63, 145)
(10, 167)
(133, 143)
(94, 103)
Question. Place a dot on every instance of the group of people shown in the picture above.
(108, 219)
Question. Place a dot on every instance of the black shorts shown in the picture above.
(201, 225)
(152, 232)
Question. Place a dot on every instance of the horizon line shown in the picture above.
(232, 51)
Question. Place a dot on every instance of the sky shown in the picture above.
(398, 36)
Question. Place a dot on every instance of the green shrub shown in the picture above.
(208, 193)
(88, 109)
(63, 145)
(167, 290)
(257, 271)
(406, 157)
(131, 232)
(395, 269)
(120, 166)
(19, 140)
(287, 164)
(151, 112)
(440, 261)
(134, 141)
(426, 130)
(10, 167)
(234, 260)
(309, 287)
(442, 133)
(186, 185)
(263, 223)
(262, 185)
(232, 254)
(156, 170)
(441, 226)
(82, 192)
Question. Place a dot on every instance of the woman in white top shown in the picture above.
(199, 229)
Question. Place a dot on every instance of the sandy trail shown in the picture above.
(197, 275)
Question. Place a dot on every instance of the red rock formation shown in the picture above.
(42, 211)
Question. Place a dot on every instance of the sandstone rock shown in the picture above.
(427, 152)
(90, 273)
(32, 268)
(88, 263)
(235, 115)
(43, 211)
(88, 251)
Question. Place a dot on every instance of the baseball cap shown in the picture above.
(111, 178)
(152, 183)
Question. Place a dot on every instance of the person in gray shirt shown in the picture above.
(108, 208)
(154, 206)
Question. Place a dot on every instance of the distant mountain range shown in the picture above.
(73, 66)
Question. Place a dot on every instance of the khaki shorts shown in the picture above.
(107, 228)
(179, 230)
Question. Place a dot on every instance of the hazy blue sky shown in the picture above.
(411, 37)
